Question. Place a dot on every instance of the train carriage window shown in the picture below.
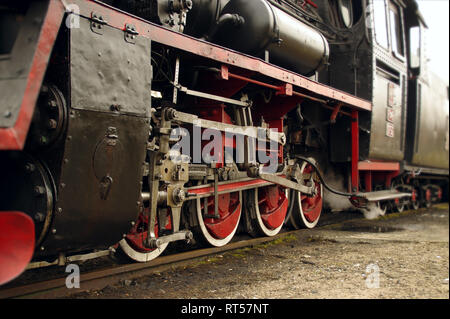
(396, 30)
(414, 47)
(380, 20)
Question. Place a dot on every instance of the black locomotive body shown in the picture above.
(110, 111)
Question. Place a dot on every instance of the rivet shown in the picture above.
(52, 124)
(39, 190)
(43, 140)
(29, 167)
(52, 103)
(39, 217)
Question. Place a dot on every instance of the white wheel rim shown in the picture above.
(266, 231)
(138, 256)
(299, 202)
(208, 237)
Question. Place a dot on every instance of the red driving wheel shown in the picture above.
(133, 245)
(217, 230)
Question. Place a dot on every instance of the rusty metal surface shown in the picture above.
(110, 71)
(99, 189)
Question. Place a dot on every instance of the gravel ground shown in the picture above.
(396, 256)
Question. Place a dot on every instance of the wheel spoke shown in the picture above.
(218, 231)
(270, 206)
(133, 245)
(307, 209)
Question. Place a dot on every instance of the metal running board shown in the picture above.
(383, 195)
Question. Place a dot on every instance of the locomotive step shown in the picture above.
(383, 195)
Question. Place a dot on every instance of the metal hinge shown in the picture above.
(97, 22)
(130, 33)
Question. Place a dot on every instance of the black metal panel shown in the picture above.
(100, 182)
(428, 122)
(109, 70)
(341, 141)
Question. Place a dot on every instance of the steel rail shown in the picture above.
(99, 278)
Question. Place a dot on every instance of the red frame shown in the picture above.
(13, 138)
(371, 169)
(118, 19)
(355, 151)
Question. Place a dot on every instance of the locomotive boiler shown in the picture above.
(129, 125)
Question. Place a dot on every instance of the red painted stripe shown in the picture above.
(355, 151)
(378, 166)
(228, 187)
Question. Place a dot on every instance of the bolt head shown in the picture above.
(29, 167)
(39, 217)
(188, 4)
(39, 190)
(52, 103)
(43, 140)
(52, 124)
(44, 89)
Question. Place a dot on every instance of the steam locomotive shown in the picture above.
(133, 124)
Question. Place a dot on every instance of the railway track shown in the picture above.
(100, 278)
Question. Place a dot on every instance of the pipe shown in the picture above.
(236, 19)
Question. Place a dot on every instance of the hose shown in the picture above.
(319, 173)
